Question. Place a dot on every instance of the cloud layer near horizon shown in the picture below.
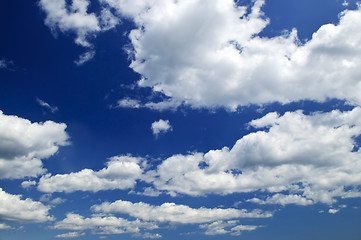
(296, 158)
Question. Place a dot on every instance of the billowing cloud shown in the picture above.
(121, 172)
(13, 208)
(24, 144)
(102, 224)
(161, 126)
(208, 54)
(304, 158)
(171, 212)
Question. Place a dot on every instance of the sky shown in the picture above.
(187, 119)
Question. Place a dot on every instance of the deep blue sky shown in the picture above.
(37, 65)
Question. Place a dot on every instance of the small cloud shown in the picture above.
(85, 57)
(128, 103)
(161, 126)
(55, 201)
(333, 211)
(70, 235)
(152, 236)
(6, 64)
(4, 226)
(47, 105)
(28, 184)
(345, 3)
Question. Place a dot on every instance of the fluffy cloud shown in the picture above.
(85, 57)
(24, 144)
(121, 172)
(4, 226)
(74, 18)
(171, 212)
(311, 158)
(102, 224)
(13, 208)
(208, 54)
(161, 126)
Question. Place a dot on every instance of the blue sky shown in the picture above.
(189, 119)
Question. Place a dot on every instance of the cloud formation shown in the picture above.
(173, 213)
(210, 54)
(47, 105)
(102, 224)
(23, 145)
(161, 126)
(121, 172)
(13, 208)
(303, 159)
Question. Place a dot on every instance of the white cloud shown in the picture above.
(55, 201)
(121, 172)
(85, 57)
(282, 199)
(71, 17)
(13, 208)
(152, 236)
(225, 227)
(70, 235)
(128, 103)
(102, 224)
(333, 211)
(208, 54)
(304, 158)
(161, 126)
(171, 212)
(28, 184)
(47, 105)
(24, 144)
(4, 226)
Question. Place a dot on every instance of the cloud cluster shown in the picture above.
(209, 54)
(304, 158)
(13, 208)
(161, 126)
(24, 144)
(121, 172)
(226, 227)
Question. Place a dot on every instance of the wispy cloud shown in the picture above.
(47, 105)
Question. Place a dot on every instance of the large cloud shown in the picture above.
(209, 54)
(121, 173)
(23, 144)
(13, 208)
(304, 158)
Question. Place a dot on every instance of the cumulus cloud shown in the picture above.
(102, 224)
(161, 126)
(121, 172)
(28, 184)
(4, 226)
(208, 54)
(13, 208)
(47, 105)
(171, 212)
(24, 144)
(71, 17)
(305, 158)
